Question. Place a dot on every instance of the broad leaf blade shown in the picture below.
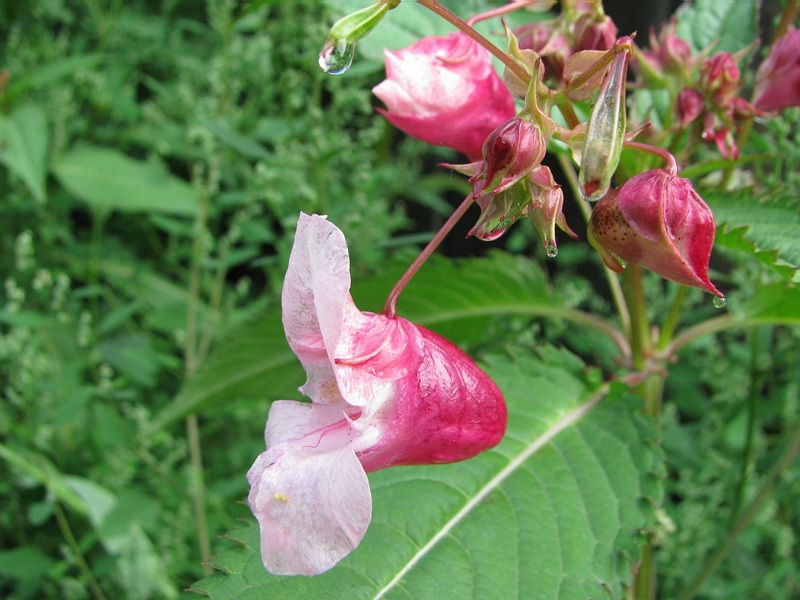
(256, 361)
(23, 145)
(554, 512)
(728, 24)
(769, 230)
(109, 180)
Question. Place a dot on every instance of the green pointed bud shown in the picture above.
(338, 50)
(605, 131)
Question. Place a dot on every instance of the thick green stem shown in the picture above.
(672, 318)
(634, 297)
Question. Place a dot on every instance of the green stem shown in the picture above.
(69, 537)
(787, 19)
(611, 278)
(787, 457)
(756, 379)
(705, 327)
(448, 16)
(672, 318)
(633, 290)
(644, 584)
(190, 365)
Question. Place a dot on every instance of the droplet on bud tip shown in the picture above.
(551, 250)
(719, 301)
(336, 56)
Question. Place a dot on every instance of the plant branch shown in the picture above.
(498, 12)
(390, 307)
(69, 537)
(448, 16)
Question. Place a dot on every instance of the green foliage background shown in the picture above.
(155, 156)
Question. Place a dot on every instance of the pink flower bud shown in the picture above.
(444, 91)
(509, 153)
(384, 392)
(778, 77)
(689, 105)
(656, 220)
(594, 33)
(668, 51)
(719, 77)
(548, 42)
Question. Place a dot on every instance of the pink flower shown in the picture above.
(656, 220)
(778, 77)
(444, 91)
(689, 105)
(384, 392)
(719, 77)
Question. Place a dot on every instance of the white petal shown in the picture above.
(289, 420)
(313, 507)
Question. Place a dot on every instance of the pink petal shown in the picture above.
(310, 495)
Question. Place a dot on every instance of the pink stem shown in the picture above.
(665, 155)
(497, 12)
(440, 10)
(390, 308)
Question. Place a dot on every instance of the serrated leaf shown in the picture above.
(554, 512)
(109, 180)
(456, 299)
(23, 145)
(775, 304)
(769, 230)
(728, 24)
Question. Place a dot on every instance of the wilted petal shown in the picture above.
(310, 495)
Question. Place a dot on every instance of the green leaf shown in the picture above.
(107, 179)
(728, 24)
(256, 361)
(769, 229)
(23, 146)
(556, 511)
(775, 304)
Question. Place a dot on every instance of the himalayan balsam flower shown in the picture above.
(656, 220)
(778, 77)
(384, 392)
(445, 91)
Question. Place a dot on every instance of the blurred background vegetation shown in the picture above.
(155, 157)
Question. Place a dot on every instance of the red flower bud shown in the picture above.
(656, 220)
(689, 105)
(550, 44)
(509, 153)
(719, 76)
(593, 33)
(668, 51)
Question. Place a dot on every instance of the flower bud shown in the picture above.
(778, 77)
(605, 132)
(658, 221)
(337, 51)
(689, 105)
(595, 33)
(668, 51)
(547, 42)
(509, 153)
(719, 77)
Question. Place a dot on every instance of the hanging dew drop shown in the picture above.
(718, 301)
(551, 250)
(336, 56)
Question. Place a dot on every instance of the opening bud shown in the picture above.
(658, 221)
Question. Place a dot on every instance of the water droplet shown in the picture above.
(336, 56)
(719, 301)
(551, 250)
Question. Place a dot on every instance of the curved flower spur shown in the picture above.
(384, 392)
